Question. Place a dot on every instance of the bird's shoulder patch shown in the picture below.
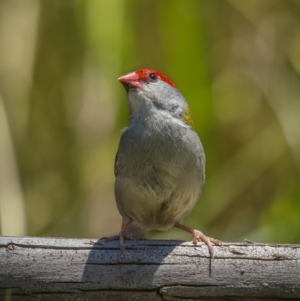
(187, 118)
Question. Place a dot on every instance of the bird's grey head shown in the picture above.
(149, 91)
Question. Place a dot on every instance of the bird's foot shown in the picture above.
(199, 236)
(122, 235)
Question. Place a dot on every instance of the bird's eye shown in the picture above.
(153, 76)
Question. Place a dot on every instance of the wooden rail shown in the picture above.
(34, 268)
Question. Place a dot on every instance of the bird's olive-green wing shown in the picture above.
(116, 165)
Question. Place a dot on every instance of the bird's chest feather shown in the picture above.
(157, 149)
(159, 155)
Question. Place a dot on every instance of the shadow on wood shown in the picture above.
(127, 274)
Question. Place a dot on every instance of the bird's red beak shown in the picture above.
(130, 80)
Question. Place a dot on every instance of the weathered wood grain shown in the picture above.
(80, 269)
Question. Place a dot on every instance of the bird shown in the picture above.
(160, 161)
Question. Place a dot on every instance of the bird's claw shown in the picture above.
(122, 236)
(199, 236)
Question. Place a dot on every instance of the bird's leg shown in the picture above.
(126, 225)
(123, 235)
(199, 236)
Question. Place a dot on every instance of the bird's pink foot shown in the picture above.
(121, 236)
(199, 236)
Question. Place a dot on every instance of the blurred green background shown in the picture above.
(62, 110)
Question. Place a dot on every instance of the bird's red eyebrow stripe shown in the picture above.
(143, 73)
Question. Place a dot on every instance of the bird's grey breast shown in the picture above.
(160, 147)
